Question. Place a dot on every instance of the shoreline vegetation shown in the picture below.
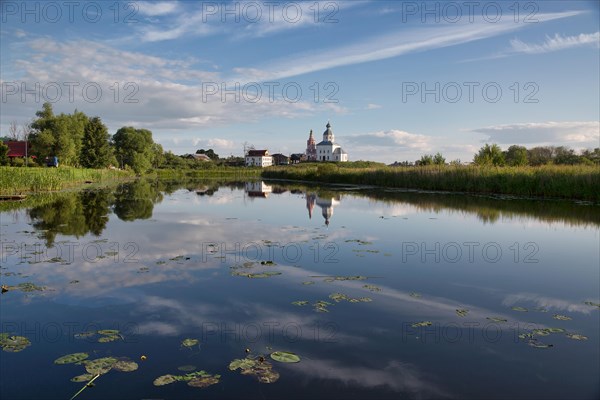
(579, 182)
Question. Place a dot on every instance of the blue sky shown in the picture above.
(395, 79)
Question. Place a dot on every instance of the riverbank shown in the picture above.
(566, 182)
(22, 180)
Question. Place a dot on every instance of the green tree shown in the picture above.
(426, 159)
(564, 155)
(516, 156)
(3, 154)
(591, 156)
(438, 159)
(210, 153)
(489, 155)
(540, 155)
(134, 148)
(96, 151)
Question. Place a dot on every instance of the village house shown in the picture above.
(280, 159)
(258, 158)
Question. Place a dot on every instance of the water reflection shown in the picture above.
(325, 201)
(258, 189)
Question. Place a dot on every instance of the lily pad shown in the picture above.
(462, 312)
(300, 303)
(71, 358)
(100, 366)
(259, 367)
(285, 357)
(497, 319)
(204, 381)
(591, 303)
(337, 297)
(164, 380)
(108, 332)
(576, 336)
(109, 338)
(539, 345)
(561, 317)
(125, 366)
(372, 288)
(189, 342)
(84, 335)
(82, 378)
(421, 324)
(415, 295)
(14, 344)
(540, 309)
(520, 309)
(244, 363)
(308, 283)
(541, 332)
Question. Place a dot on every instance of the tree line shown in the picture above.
(82, 141)
(492, 154)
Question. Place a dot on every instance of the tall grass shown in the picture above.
(572, 182)
(15, 180)
(218, 172)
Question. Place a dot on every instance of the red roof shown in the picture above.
(258, 153)
(17, 148)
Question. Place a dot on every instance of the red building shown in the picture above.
(17, 149)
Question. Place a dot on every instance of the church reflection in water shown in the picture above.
(258, 189)
(325, 202)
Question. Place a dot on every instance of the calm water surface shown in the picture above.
(166, 261)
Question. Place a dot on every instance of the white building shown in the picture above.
(258, 158)
(328, 150)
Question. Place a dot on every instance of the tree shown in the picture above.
(134, 148)
(13, 130)
(564, 155)
(589, 156)
(96, 147)
(426, 159)
(438, 159)
(516, 156)
(3, 154)
(210, 153)
(489, 155)
(540, 155)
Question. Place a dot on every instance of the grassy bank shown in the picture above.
(570, 182)
(218, 172)
(19, 180)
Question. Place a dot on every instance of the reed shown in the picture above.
(15, 180)
(551, 181)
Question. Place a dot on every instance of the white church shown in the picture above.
(327, 149)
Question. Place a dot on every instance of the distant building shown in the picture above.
(280, 159)
(258, 158)
(297, 158)
(328, 150)
(201, 157)
(311, 148)
(18, 149)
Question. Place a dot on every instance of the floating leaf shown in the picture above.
(591, 303)
(539, 345)
(244, 363)
(204, 381)
(540, 309)
(421, 324)
(109, 332)
(541, 332)
(267, 263)
(260, 368)
(576, 336)
(13, 344)
(526, 336)
(109, 338)
(372, 288)
(189, 342)
(164, 380)
(125, 366)
(300, 303)
(82, 378)
(308, 283)
(285, 357)
(520, 309)
(561, 317)
(100, 366)
(337, 297)
(496, 319)
(71, 359)
(555, 330)
(415, 295)
(84, 335)
(462, 312)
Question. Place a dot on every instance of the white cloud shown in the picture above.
(215, 143)
(583, 133)
(395, 138)
(556, 43)
(159, 8)
(387, 46)
(20, 33)
(372, 106)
